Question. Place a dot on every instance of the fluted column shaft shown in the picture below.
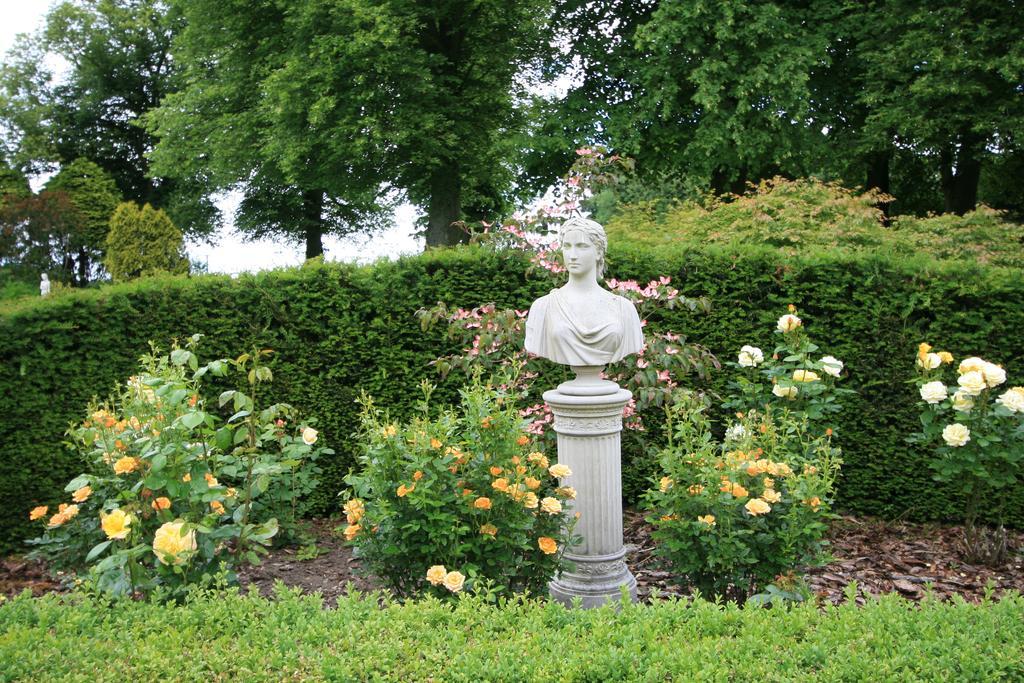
(588, 428)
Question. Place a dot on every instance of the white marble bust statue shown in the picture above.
(582, 324)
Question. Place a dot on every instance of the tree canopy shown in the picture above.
(113, 65)
(345, 100)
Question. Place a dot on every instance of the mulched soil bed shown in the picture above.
(882, 557)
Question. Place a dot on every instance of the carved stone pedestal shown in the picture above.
(588, 421)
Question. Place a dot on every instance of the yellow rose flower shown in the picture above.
(500, 484)
(389, 431)
(538, 458)
(695, 489)
(351, 531)
(211, 480)
(665, 484)
(38, 512)
(482, 503)
(547, 545)
(436, 574)
(972, 364)
(566, 492)
(788, 323)
(125, 465)
(171, 546)
(309, 436)
(559, 471)
(82, 494)
(946, 357)
(972, 383)
(785, 392)
(813, 503)
(956, 434)
(532, 484)
(453, 581)
(117, 524)
(709, 520)
(551, 506)
(805, 376)
(354, 510)
(756, 506)
(69, 511)
(530, 501)
(488, 529)
(771, 496)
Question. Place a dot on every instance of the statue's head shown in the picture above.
(593, 231)
(45, 277)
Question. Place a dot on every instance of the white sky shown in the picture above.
(231, 254)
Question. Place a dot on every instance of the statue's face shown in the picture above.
(579, 252)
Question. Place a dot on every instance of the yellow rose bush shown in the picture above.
(730, 516)
(453, 501)
(975, 423)
(795, 378)
(178, 489)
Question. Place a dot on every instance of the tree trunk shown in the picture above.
(83, 267)
(445, 208)
(878, 178)
(313, 222)
(960, 172)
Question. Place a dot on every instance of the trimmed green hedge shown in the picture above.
(338, 329)
(253, 639)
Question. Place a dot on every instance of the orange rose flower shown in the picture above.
(82, 494)
(523, 440)
(217, 507)
(482, 503)
(547, 545)
(161, 503)
(38, 512)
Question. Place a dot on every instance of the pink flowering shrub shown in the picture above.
(492, 338)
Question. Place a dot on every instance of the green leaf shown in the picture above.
(96, 550)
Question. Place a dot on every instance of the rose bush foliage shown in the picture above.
(739, 515)
(173, 494)
(460, 499)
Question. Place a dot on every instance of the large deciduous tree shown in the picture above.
(341, 100)
(113, 65)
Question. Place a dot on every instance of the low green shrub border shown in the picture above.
(253, 639)
(337, 329)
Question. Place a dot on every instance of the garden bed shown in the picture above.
(882, 557)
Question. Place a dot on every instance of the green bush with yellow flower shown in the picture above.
(457, 500)
(173, 494)
(977, 431)
(738, 515)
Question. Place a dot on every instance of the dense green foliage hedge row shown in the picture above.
(338, 329)
(253, 639)
(800, 215)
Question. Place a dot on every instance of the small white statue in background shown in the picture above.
(581, 324)
(44, 285)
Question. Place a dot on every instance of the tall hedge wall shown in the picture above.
(338, 329)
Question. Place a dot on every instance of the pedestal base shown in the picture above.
(588, 421)
(595, 581)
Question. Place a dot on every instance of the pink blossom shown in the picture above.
(663, 376)
(671, 337)
(583, 151)
(665, 279)
(671, 350)
(641, 363)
